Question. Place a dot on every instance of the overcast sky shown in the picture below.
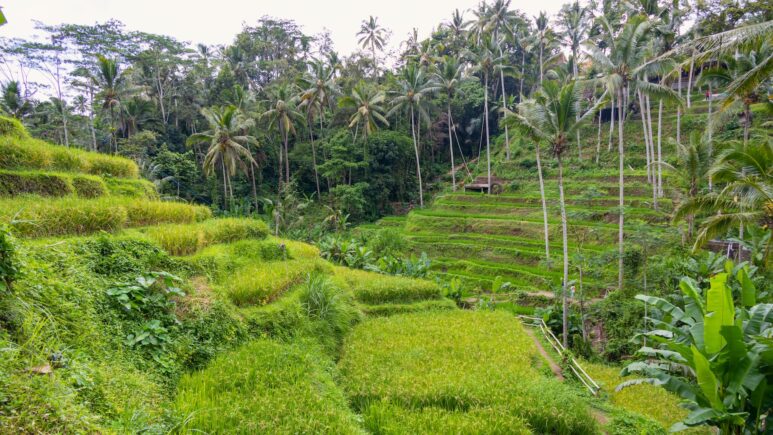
(217, 22)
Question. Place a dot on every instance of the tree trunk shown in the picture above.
(451, 148)
(523, 67)
(287, 160)
(621, 218)
(710, 131)
(647, 101)
(504, 105)
(418, 165)
(582, 307)
(91, 119)
(254, 187)
(679, 110)
(488, 142)
(544, 204)
(611, 122)
(281, 162)
(314, 159)
(540, 62)
(565, 241)
(598, 142)
(689, 79)
(643, 117)
(660, 154)
(225, 185)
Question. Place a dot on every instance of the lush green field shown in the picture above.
(435, 367)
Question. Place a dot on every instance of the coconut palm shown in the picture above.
(550, 118)
(620, 58)
(448, 76)
(746, 171)
(366, 101)
(543, 35)
(486, 59)
(319, 86)
(374, 36)
(693, 168)
(283, 115)
(227, 144)
(112, 84)
(11, 101)
(414, 87)
(574, 23)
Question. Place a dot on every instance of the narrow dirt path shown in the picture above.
(555, 368)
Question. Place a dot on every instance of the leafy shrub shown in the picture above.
(148, 293)
(461, 362)
(374, 288)
(388, 242)
(265, 387)
(322, 300)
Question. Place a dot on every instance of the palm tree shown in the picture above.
(11, 101)
(746, 198)
(111, 83)
(693, 168)
(550, 118)
(543, 33)
(572, 19)
(621, 70)
(319, 86)
(414, 86)
(368, 110)
(485, 60)
(136, 113)
(374, 36)
(283, 114)
(448, 76)
(226, 144)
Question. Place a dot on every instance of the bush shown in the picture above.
(374, 288)
(26, 153)
(461, 362)
(388, 242)
(12, 127)
(265, 387)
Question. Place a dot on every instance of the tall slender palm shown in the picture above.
(448, 76)
(693, 168)
(110, 82)
(374, 36)
(227, 144)
(485, 58)
(550, 118)
(620, 72)
(501, 21)
(414, 87)
(319, 86)
(283, 114)
(543, 33)
(575, 26)
(368, 110)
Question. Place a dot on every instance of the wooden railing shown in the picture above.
(575, 367)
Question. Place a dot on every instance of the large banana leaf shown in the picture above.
(720, 312)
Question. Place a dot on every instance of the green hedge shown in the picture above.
(27, 153)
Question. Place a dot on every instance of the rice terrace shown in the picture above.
(465, 217)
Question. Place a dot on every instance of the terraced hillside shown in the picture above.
(482, 239)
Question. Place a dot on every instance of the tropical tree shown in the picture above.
(543, 35)
(448, 76)
(575, 25)
(319, 87)
(693, 169)
(550, 118)
(746, 172)
(112, 84)
(485, 59)
(227, 144)
(367, 103)
(282, 115)
(414, 86)
(372, 35)
(11, 101)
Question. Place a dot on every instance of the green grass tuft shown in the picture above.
(187, 239)
(375, 289)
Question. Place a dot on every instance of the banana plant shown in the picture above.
(715, 355)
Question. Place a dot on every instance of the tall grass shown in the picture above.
(259, 284)
(187, 239)
(373, 288)
(459, 362)
(27, 153)
(134, 188)
(265, 387)
(15, 183)
(77, 216)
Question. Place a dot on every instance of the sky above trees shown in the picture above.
(213, 23)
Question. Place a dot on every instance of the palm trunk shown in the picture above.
(540, 62)
(679, 110)
(314, 159)
(287, 160)
(418, 165)
(281, 176)
(225, 185)
(611, 123)
(710, 131)
(689, 79)
(646, 136)
(621, 219)
(91, 120)
(598, 142)
(488, 142)
(451, 148)
(655, 187)
(254, 187)
(504, 105)
(565, 241)
(523, 69)
(660, 154)
(544, 204)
